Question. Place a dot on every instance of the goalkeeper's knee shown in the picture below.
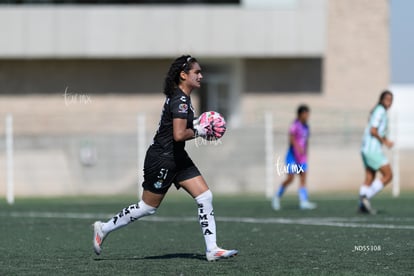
(145, 209)
(206, 197)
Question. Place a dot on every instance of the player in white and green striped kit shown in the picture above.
(375, 136)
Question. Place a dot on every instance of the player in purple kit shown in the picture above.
(296, 160)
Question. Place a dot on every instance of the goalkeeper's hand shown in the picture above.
(219, 131)
(201, 129)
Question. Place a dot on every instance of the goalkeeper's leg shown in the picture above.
(198, 188)
(147, 206)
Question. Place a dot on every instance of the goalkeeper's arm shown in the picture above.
(180, 131)
(200, 128)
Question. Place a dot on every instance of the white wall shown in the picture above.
(39, 31)
(402, 124)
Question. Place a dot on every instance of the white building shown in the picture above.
(256, 55)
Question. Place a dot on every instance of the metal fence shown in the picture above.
(66, 159)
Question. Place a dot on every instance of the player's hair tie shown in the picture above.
(189, 59)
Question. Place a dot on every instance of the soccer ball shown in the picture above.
(215, 125)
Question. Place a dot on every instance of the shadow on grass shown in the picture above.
(159, 257)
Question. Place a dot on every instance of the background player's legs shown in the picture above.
(302, 192)
(379, 184)
(281, 191)
(285, 184)
(304, 202)
(369, 178)
(365, 192)
(386, 172)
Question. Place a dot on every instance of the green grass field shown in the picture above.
(53, 237)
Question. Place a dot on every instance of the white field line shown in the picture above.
(324, 221)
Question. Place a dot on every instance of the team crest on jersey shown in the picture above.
(158, 184)
(183, 108)
(183, 99)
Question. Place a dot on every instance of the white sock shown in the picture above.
(363, 191)
(206, 218)
(375, 188)
(128, 215)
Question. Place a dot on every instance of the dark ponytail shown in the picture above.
(172, 80)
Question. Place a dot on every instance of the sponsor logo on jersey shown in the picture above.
(183, 108)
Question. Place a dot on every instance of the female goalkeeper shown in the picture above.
(375, 136)
(168, 163)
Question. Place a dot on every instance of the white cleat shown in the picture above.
(276, 203)
(367, 206)
(98, 237)
(307, 205)
(219, 253)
